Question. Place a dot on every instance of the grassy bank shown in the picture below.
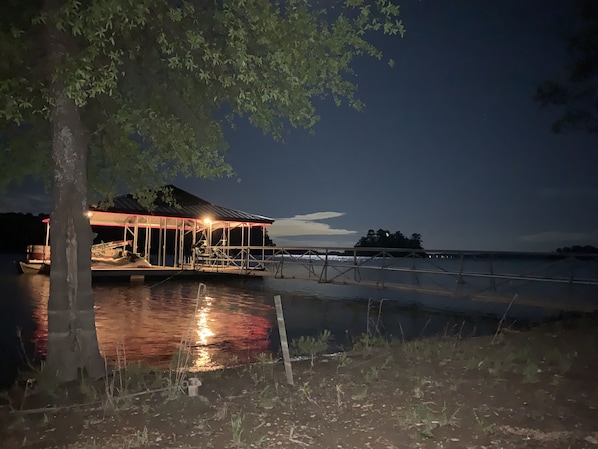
(529, 389)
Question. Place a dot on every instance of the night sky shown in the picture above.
(450, 145)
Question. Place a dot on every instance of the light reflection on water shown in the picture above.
(150, 322)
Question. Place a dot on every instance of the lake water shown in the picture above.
(232, 323)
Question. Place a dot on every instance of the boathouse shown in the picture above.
(185, 231)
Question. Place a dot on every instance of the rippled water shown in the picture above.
(232, 323)
(148, 321)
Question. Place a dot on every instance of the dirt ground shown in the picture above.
(532, 389)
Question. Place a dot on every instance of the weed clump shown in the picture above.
(311, 346)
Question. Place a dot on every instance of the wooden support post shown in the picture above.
(288, 369)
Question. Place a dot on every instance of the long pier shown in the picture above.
(544, 280)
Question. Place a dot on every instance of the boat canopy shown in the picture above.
(165, 214)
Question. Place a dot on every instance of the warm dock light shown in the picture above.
(207, 221)
(88, 214)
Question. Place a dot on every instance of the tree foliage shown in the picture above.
(384, 239)
(578, 94)
(156, 80)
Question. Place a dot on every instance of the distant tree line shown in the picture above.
(577, 249)
(18, 230)
(383, 238)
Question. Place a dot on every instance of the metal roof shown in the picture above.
(185, 205)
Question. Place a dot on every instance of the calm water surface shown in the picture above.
(232, 323)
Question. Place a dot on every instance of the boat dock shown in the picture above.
(545, 280)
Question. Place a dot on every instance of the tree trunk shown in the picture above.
(72, 337)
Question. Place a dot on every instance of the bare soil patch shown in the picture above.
(532, 389)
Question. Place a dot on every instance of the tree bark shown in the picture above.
(72, 338)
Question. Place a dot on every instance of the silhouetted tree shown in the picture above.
(578, 94)
(383, 238)
(416, 240)
(368, 240)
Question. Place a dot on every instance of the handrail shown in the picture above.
(385, 259)
(569, 281)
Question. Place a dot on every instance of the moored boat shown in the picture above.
(36, 256)
(28, 267)
(103, 255)
(126, 260)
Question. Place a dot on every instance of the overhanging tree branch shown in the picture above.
(577, 95)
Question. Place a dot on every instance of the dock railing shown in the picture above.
(482, 275)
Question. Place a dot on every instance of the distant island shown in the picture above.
(382, 238)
